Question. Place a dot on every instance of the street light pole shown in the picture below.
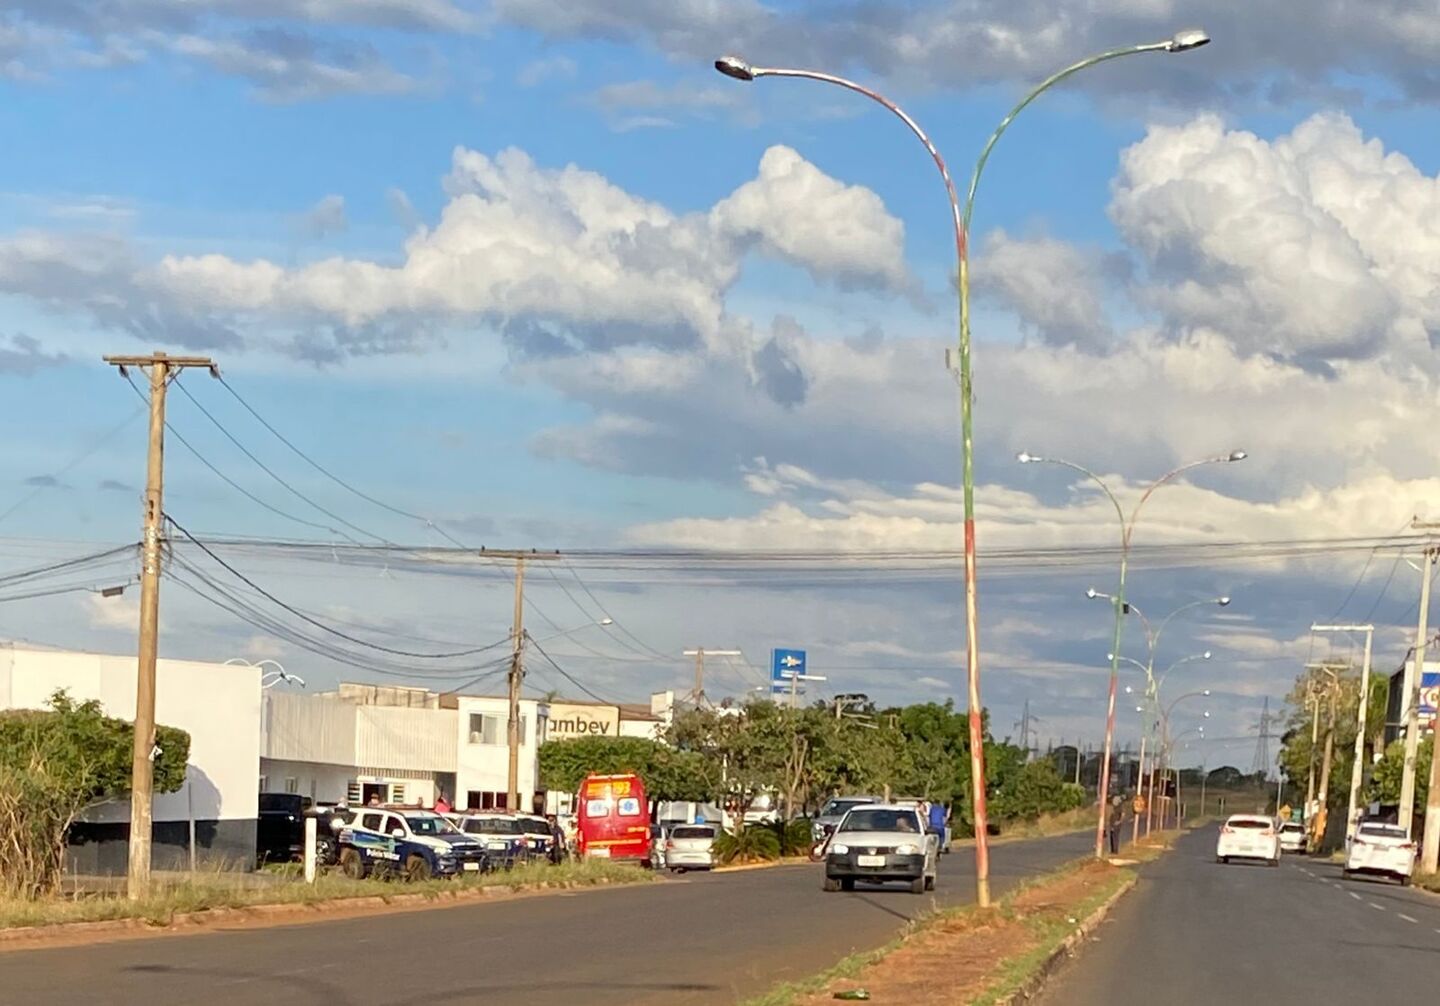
(959, 363)
(1127, 529)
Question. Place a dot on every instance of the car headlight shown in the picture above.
(907, 850)
(839, 850)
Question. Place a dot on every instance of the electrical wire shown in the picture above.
(54, 591)
(70, 565)
(235, 485)
(269, 471)
(317, 622)
(94, 446)
(566, 674)
(332, 476)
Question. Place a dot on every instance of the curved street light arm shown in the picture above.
(1183, 660)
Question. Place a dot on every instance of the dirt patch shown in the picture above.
(962, 958)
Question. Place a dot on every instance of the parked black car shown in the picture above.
(280, 832)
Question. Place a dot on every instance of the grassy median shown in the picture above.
(218, 890)
(966, 956)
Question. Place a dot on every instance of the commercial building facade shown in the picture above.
(218, 705)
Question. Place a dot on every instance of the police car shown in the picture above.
(504, 836)
(409, 842)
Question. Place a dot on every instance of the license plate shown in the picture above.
(870, 860)
(601, 853)
(471, 867)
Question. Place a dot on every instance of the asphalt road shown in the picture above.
(1197, 932)
(696, 939)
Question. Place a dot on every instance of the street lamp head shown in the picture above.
(1129, 690)
(1206, 654)
(1025, 458)
(1109, 656)
(1139, 709)
(607, 620)
(1187, 39)
(1092, 593)
(1206, 714)
(734, 66)
(1206, 693)
(1237, 456)
(1222, 601)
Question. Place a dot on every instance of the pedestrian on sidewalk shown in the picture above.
(1117, 817)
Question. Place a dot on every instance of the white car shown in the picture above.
(1292, 837)
(689, 847)
(1381, 850)
(1248, 836)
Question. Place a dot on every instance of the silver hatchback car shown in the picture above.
(880, 843)
(690, 847)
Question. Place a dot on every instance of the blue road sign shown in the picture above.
(786, 664)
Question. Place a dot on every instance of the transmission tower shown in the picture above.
(1262, 743)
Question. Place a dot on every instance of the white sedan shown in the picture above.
(1248, 836)
(1292, 837)
(1382, 850)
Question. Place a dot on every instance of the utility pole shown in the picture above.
(1430, 846)
(516, 676)
(698, 694)
(161, 369)
(1413, 674)
(1322, 798)
(1357, 771)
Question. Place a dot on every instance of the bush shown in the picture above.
(794, 838)
(1034, 790)
(757, 844)
(54, 765)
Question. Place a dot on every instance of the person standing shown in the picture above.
(937, 821)
(442, 805)
(1117, 817)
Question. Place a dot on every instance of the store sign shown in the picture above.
(583, 721)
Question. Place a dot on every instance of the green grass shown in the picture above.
(216, 890)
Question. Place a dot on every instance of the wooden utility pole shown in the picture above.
(1357, 770)
(516, 676)
(160, 368)
(697, 695)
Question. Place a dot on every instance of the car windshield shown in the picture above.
(534, 826)
(837, 808)
(1292, 829)
(427, 825)
(1383, 831)
(493, 826)
(879, 819)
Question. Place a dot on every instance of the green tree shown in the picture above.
(1385, 781)
(54, 765)
(668, 774)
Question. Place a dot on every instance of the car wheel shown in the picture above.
(1222, 860)
(1404, 881)
(831, 884)
(1346, 874)
(918, 885)
(929, 883)
(416, 868)
(352, 865)
(847, 883)
(1275, 861)
(679, 869)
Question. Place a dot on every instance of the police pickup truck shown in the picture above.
(408, 842)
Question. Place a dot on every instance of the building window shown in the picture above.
(263, 781)
(292, 785)
(489, 728)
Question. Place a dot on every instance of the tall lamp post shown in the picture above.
(958, 361)
(1127, 530)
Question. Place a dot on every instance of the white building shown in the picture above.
(218, 705)
(397, 745)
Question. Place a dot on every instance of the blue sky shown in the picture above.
(694, 338)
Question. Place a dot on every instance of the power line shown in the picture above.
(94, 446)
(316, 622)
(235, 485)
(332, 476)
(268, 471)
(567, 675)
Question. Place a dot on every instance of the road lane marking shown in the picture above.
(1356, 896)
(1378, 908)
(1406, 917)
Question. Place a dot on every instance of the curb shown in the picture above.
(1032, 985)
(791, 861)
(20, 936)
